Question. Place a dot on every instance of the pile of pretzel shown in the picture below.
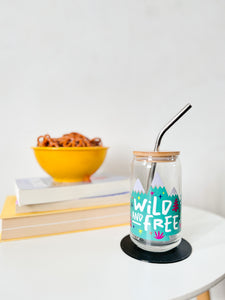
(72, 139)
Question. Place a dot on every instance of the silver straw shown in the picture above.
(159, 139)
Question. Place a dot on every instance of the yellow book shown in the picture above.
(15, 226)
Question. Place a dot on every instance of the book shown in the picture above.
(44, 190)
(16, 226)
(76, 203)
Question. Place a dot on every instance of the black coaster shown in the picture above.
(181, 252)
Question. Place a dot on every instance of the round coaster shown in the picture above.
(181, 252)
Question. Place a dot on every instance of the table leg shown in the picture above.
(204, 296)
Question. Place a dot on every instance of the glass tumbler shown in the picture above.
(155, 200)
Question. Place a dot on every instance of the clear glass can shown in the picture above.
(155, 200)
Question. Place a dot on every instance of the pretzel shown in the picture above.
(73, 139)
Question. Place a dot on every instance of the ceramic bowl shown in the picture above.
(70, 164)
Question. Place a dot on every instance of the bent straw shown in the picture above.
(159, 139)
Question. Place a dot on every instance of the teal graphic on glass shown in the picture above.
(155, 215)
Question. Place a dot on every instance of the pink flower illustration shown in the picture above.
(159, 235)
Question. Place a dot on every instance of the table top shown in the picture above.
(91, 265)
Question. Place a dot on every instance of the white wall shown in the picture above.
(119, 70)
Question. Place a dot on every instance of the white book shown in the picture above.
(45, 190)
(122, 198)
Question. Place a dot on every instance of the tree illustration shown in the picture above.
(175, 205)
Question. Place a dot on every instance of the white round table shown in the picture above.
(91, 265)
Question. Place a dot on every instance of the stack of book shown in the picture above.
(42, 207)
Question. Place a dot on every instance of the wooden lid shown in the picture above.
(156, 154)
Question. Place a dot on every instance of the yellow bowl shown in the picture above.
(70, 164)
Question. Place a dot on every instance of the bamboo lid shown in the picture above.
(156, 154)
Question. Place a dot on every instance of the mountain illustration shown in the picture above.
(157, 181)
(173, 192)
(138, 188)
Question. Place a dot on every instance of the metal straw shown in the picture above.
(159, 139)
